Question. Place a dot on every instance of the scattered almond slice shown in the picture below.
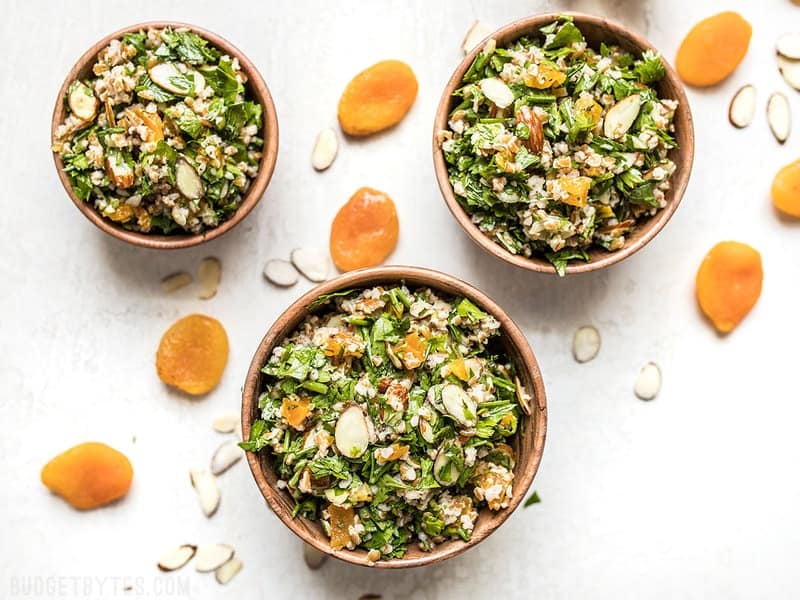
(779, 116)
(522, 397)
(313, 263)
(459, 405)
(585, 344)
(743, 107)
(426, 430)
(351, 433)
(176, 281)
(228, 571)
(445, 470)
(177, 557)
(187, 180)
(280, 272)
(226, 423)
(475, 35)
(210, 557)
(648, 383)
(112, 120)
(325, 149)
(621, 116)
(313, 557)
(82, 101)
(205, 484)
(163, 75)
(227, 455)
(497, 91)
(119, 171)
(790, 70)
(209, 274)
(788, 45)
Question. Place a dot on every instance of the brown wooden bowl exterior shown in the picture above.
(269, 133)
(596, 30)
(529, 441)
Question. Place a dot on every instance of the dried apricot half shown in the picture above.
(729, 284)
(192, 354)
(786, 189)
(713, 49)
(377, 98)
(364, 231)
(89, 475)
(341, 519)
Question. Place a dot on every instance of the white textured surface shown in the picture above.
(693, 495)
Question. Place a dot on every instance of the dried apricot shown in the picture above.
(192, 354)
(576, 189)
(411, 351)
(547, 76)
(341, 520)
(377, 98)
(364, 231)
(713, 49)
(295, 410)
(89, 475)
(729, 284)
(786, 189)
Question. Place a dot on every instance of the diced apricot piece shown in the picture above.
(547, 76)
(729, 284)
(123, 213)
(341, 520)
(459, 368)
(589, 108)
(411, 351)
(89, 475)
(377, 98)
(192, 354)
(295, 410)
(786, 189)
(153, 123)
(713, 49)
(364, 231)
(577, 189)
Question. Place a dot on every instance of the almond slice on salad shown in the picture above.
(325, 149)
(648, 383)
(779, 116)
(522, 397)
(209, 274)
(177, 557)
(187, 180)
(788, 45)
(228, 571)
(119, 171)
(621, 116)
(164, 75)
(212, 556)
(790, 70)
(426, 430)
(743, 107)
(459, 405)
(445, 470)
(227, 455)
(476, 35)
(314, 558)
(176, 281)
(496, 90)
(313, 263)
(226, 423)
(82, 101)
(351, 434)
(205, 484)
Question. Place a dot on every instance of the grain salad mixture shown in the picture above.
(555, 148)
(388, 416)
(163, 137)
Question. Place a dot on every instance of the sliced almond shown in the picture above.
(112, 120)
(82, 101)
(352, 433)
(395, 360)
(522, 397)
(535, 141)
(788, 45)
(621, 116)
(176, 281)
(205, 484)
(187, 180)
(313, 557)
(476, 34)
(225, 423)
(585, 343)
(497, 91)
(212, 556)
(779, 116)
(228, 571)
(280, 272)
(209, 274)
(177, 557)
(743, 107)
(162, 75)
(648, 383)
(445, 470)
(426, 430)
(119, 171)
(459, 405)
(790, 69)
(227, 455)
(313, 263)
(325, 149)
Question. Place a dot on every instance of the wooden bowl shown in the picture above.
(596, 30)
(529, 441)
(269, 133)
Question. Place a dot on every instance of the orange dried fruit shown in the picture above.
(192, 354)
(713, 49)
(364, 231)
(341, 520)
(547, 76)
(577, 189)
(729, 284)
(295, 410)
(89, 475)
(377, 98)
(589, 108)
(786, 189)
(411, 351)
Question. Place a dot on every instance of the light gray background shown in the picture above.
(693, 495)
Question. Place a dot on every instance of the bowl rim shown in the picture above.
(422, 277)
(656, 223)
(258, 186)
